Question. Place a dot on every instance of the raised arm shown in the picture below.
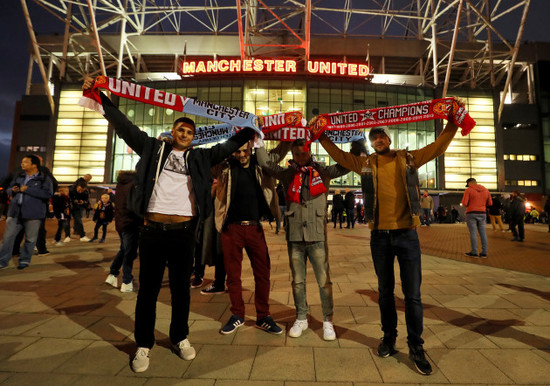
(223, 150)
(335, 171)
(345, 159)
(436, 148)
(267, 163)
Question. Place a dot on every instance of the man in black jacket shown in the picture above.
(172, 193)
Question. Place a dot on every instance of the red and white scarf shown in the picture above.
(315, 183)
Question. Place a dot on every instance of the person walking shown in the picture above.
(172, 194)
(476, 200)
(393, 215)
(517, 215)
(306, 183)
(495, 214)
(427, 207)
(338, 208)
(127, 227)
(31, 191)
(349, 201)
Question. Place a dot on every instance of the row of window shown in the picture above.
(521, 183)
(520, 157)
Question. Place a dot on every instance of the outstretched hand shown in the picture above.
(88, 84)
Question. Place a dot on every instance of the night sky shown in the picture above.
(14, 43)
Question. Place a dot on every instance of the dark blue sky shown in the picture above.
(15, 59)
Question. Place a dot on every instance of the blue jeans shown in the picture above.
(13, 227)
(125, 256)
(476, 222)
(425, 212)
(278, 221)
(298, 253)
(78, 227)
(385, 246)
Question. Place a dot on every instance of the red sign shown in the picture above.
(275, 66)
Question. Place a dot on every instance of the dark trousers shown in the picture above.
(125, 256)
(103, 225)
(63, 225)
(158, 248)
(219, 274)
(78, 227)
(338, 213)
(404, 244)
(41, 240)
(250, 237)
(349, 217)
(517, 227)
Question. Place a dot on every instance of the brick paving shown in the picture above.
(487, 321)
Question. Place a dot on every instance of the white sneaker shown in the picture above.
(59, 243)
(297, 328)
(184, 350)
(67, 239)
(140, 363)
(84, 239)
(127, 287)
(328, 331)
(112, 280)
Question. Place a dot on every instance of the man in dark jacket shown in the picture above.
(337, 208)
(30, 191)
(349, 201)
(127, 226)
(517, 213)
(80, 200)
(172, 193)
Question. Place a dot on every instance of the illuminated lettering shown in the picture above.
(363, 70)
(247, 65)
(212, 66)
(269, 64)
(201, 67)
(312, 67)
(290, 66)
(342, 67)
(352, 69)
(324, 67)
(188, 67)
(234, 65)
(279, 65)
(258, 65)
(223, 65)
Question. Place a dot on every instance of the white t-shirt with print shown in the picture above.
(173, 193)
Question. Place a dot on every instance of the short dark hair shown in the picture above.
(189, 121)
(34, 159)
(299, 142)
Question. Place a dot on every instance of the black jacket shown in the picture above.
(338, 202)
(199, 160)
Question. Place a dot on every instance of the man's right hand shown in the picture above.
(88, 83)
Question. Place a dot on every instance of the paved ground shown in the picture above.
(486, 322)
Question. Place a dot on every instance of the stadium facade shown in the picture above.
(297, 56)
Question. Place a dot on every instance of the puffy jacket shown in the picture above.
(35, 198)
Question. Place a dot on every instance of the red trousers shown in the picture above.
(250, 237)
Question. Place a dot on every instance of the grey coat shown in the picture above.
(306, 220)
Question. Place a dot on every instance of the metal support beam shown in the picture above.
(514, 57)
(121, 47)
(452, 52)
(96, 38)
(37, 56)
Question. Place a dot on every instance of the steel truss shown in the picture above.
(459, 43)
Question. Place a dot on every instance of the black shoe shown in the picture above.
(387, 346)
(269, 325)
(471, 254)
(212, 290)
(232, 324)
(197, 282)
(417, 355)
(22, 266)
(45, 253)
(484, 255)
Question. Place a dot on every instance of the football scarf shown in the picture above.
(315, 182)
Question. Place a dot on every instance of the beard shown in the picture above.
(383, 151)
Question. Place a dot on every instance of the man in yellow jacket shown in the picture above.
(392, 211)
